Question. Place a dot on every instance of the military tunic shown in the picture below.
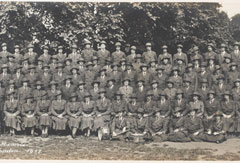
(58, 108)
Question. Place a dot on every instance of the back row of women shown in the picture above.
(169, 97)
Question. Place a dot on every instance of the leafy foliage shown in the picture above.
(56, 23)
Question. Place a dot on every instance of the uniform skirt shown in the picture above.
(45, 120)
(228, 124)
(59, 123)
(13, 122)
(29, 122)
(74, 122)
(100, 122)
(87, 122)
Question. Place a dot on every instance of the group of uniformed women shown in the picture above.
(169, 97)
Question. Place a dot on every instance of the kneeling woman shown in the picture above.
(73, 108)
(44, 112)
(58, 113)
(12, 111)
(88, 111)
(29, 114)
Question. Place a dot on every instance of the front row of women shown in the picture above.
(151, 119)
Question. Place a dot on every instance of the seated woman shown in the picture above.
(12, 112)
(58, 110)
(29, 114)
(119, 125)
(162, 114)
(176, 127)
(132, 110)
(193, 126)
(88, 112)
(217, 132)
(142, 127)
(73, 108)
(228, 108)
(211, 107)
(103, 110)
(44, 112)
(196, 104)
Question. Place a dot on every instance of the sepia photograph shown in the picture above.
(154, 81)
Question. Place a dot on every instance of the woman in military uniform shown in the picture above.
(88, 112)
(163, 110)
(103, 111)
(211, 107)
(44, 112)
(58, 111)
(228, 108)
(29, 114)
(118, 104)
(217, 133)
(74, 110)
(177, 133)
(197, 104)
(193, 126)
(132, 110)
(81, 90)
(52, 91)
(12, 114)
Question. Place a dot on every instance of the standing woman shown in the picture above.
(29, 114)
(58, 110)
(88, 110)
(73, 108)
(197, 104)
(12, 111)
(44, 112)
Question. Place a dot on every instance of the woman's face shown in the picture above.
(149, 98)
(140, 83)
(179, 96)
(226, 97)
(68, 82)
(227, 60)
(102, 95)
(170, 85)
(211, 96)
(195, 98)
(68, 62)
(80, 86)
(74, 71)
(237, 84)
(53, 86)
(45, 51)
(118, 48)
(233, 67)
(209, 48)
(88, 46)
(133, 51)
(211, 62)
(74, 99)
(25, 84)
(60, 50)
(95, 85)
(165, 61)
(179, 50)
(118, 97)
(16, 50)
(126, 82)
